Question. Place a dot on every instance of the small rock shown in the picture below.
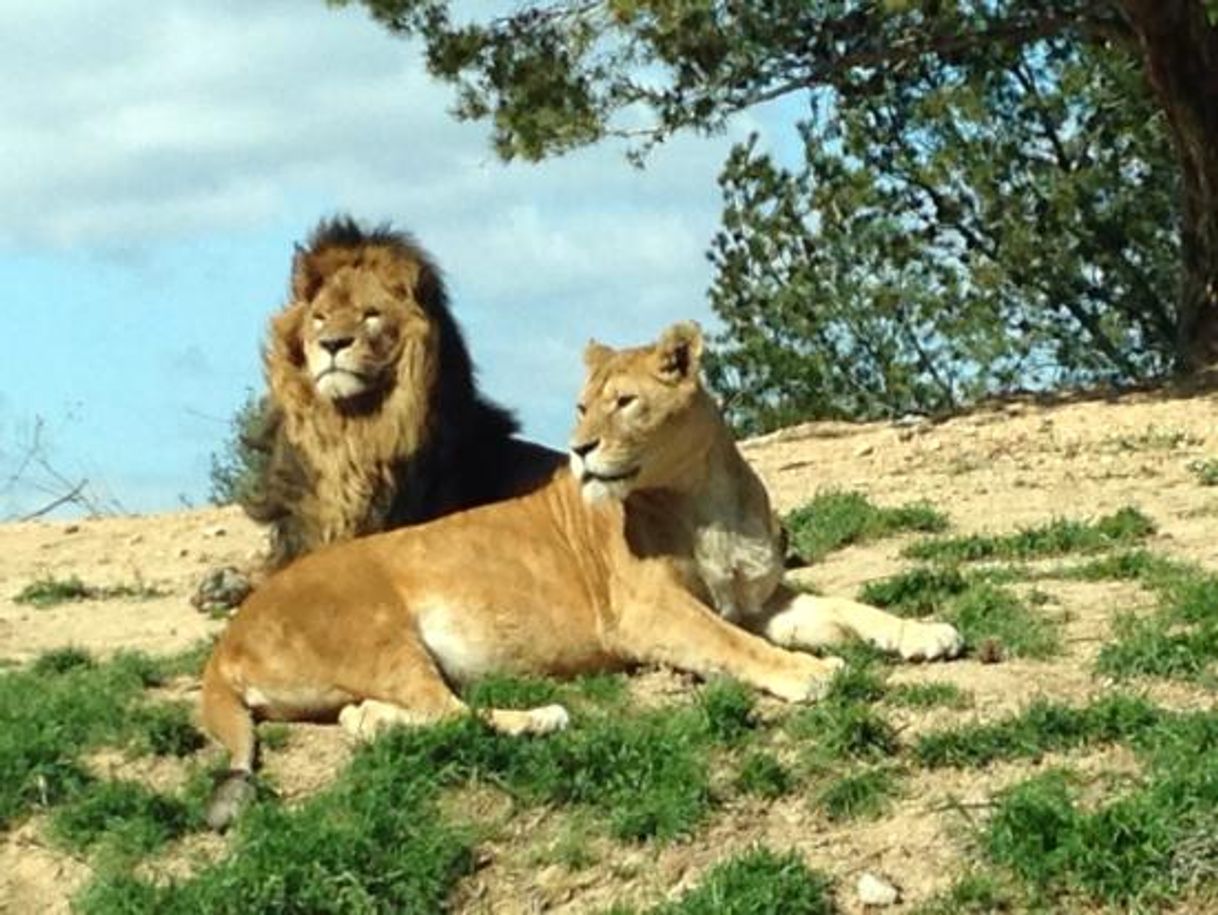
(71, 528)
(135, 539)
(876, 891)
(218, 530)
(221, 589)
(183, 553)
(864, 450)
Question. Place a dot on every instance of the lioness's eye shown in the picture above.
(625, 400)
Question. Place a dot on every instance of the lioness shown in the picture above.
(656, 545)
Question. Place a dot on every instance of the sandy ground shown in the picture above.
(995, 469)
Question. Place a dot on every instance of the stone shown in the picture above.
(876, 891)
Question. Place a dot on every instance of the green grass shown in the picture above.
(929, 695)
(1057, 538)
(66, 704)
(1041, 728)
(1180, 639)
(763, 775)
(834, 519)
(1206, 471)
(975, 893)
(127, 818)
(50, 591)
(758, 882)
(858, 794)
(986, 614)
(374, 841)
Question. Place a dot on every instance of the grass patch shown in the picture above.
(372, 842)
(987, 614)
(975, 893)
(126, 818)
(50, 591)
(854, 795)
(1206, 471)
(835, 518)
(763, 775)
(1041, 728)
(1057, 538)
(65, 704)
(929, 695)
(758, 882)
(1180, 640)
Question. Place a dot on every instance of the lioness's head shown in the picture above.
(355, 307)
(634, 405)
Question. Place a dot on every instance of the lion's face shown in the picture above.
(352, 331)
(631, 411)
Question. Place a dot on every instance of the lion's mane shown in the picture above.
(425, 444)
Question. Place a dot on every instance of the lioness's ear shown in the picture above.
(306, 277)
(679, 352)
(595, 354)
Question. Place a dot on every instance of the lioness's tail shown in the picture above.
(224, 715)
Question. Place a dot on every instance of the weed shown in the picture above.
(763, 775)
(843, 730)
(62, 706)
(164, 729)
(126, 817)
(984, 612)
(373, 841)
(929, 695)
(1057, 538)
(274, 735)
(1206, 471)
(727, 709)
(857, 794)
(758, 882)
(834, 519)
(1153, 439)
(1041, 728)
(50, 591)
(975, 893)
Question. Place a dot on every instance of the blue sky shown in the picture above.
(161, 159)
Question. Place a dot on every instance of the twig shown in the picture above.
(73, 495)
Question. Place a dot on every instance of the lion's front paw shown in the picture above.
(809, 681)
(929, 641)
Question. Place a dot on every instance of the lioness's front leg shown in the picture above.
(674, 628)
(798, 620)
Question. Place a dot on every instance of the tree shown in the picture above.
(554, 76)
(1003, 223)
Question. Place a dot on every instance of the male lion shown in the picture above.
(374, 419)
(656, 545)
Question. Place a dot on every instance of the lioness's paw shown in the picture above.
(547, 719)
(929, 641)
(809, 682)
(365, 720)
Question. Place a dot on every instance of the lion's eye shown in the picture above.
(319, 320)
(371, 314)
(625, 400)
(581, 409)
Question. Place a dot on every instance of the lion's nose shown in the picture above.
(583, 449)
(335, 345)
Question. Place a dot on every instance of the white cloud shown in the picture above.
(128, 127)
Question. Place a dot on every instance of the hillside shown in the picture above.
(1019, 466)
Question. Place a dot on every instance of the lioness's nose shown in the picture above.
(583, 449)
(335, 345)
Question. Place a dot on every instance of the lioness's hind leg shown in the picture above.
(810, 621)
(409, 689)
(229, 721)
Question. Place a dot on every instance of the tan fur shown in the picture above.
(353, 452)
(634, 554)
(374, 420)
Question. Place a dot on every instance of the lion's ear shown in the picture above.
(595, 354)
(306, 275)
(679, 352)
